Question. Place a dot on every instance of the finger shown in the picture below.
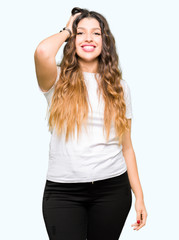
(138, 218)
(143, 223)
(144, 217)
(134, 225)
(139, 227)
(138, 222)
(76, 14)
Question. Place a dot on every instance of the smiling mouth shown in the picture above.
(88, 48)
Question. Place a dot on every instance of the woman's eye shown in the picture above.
(95, 33)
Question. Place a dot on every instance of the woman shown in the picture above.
(92, 165)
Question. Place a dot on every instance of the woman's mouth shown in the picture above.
(88, 48)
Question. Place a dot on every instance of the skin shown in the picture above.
(46, 71)
(129, 155)
(88, 32)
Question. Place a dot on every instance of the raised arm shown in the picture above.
(44, 57)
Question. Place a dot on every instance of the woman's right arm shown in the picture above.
(44, 57)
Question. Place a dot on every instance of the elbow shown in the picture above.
(127, 149)
(41, 52)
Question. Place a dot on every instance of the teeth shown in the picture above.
(88, 47)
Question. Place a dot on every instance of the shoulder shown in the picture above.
(127, 98)
(124, 83)
(125, 86)
(58, 70)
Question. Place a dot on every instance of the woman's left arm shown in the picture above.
(133, 175)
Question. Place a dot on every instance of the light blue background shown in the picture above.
(146, 34)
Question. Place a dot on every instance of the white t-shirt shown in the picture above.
(90, 158)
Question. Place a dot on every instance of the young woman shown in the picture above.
(92, 165)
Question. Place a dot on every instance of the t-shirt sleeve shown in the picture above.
(48, 95)
(127, 98)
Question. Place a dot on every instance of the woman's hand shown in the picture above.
(71, 20)
(141, 215)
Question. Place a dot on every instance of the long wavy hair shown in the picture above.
(69, 106)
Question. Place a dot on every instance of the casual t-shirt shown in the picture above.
(91, 157)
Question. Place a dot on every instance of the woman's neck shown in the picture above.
(91, 67)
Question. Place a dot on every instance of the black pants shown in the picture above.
(92, 211)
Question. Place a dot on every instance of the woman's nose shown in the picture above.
(88, 37)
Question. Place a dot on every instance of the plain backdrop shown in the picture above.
(147, 39)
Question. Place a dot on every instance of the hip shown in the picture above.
(110, 188)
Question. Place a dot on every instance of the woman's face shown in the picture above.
(88, 39)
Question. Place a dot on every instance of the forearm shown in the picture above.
(132, 170)
(50, 46)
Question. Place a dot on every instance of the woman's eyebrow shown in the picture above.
(91, 28)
